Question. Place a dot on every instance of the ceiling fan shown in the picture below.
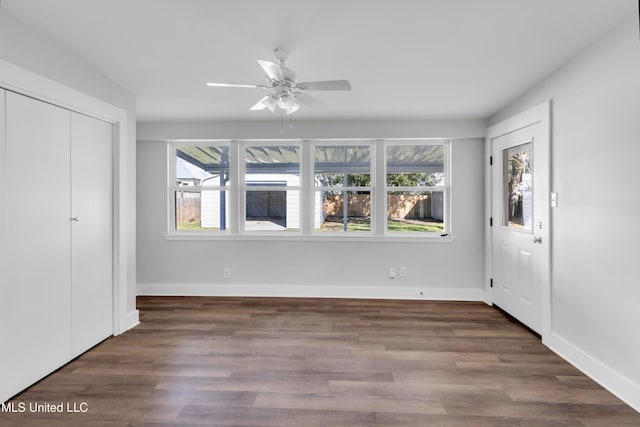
(287, 93)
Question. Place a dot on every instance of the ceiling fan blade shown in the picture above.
(310, 101)
(235, 85)
(273, 70)
(325, 85)
(259, 105)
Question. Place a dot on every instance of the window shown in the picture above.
(271, 187)
(416, 186)
(309, 189)
(200, 191)
(342, 181)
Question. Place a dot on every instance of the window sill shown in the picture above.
(313, 238)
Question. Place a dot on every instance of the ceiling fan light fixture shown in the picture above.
(271, 103)
(286, 101)
(295, 107)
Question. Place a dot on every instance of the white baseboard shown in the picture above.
(623, 388)
(131, 319)
(313, 291)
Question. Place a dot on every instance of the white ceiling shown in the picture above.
(405, 59)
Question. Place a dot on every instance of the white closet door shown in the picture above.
(36, 282)
(92, 246)
(4, 278)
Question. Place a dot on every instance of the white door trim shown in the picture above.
(25, 82)
(540, 114)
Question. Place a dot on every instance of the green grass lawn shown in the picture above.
(354, 224)
(415, 226)
(195, 226)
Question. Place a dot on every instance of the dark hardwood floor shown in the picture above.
(319, 362)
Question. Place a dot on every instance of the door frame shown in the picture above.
(540, 114)
(28, 83)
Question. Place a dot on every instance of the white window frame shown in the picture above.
(446, 144)
(172, 188)
(371, 189)
(242, 208)
(237, 188)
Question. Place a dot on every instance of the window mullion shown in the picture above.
(379, 196)
(171, 218)
(418, 189)
(447, 190)
(307, 193)
(235, 189)
(345, 194)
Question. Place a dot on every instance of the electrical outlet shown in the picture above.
(403, 271)
(226, 273)
(392, 272)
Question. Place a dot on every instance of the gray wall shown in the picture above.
(173, 265)
(33, 51)
(595, 236)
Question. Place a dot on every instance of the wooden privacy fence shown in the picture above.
(187, 208)
(398, 205)
(408, 206)
(359, 205)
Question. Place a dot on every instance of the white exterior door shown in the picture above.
(91, 232)
(520, 222)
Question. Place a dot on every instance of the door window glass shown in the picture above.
(518, 187)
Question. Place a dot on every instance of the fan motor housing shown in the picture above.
(290, 78)
(281, 54)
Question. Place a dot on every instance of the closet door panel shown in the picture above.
(5, 392)
(92, 247)
(36, 287)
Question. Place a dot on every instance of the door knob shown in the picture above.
(537, 239)
(75, 218)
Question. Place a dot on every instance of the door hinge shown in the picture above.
(490, 160)
(491, 222)
(491, 283)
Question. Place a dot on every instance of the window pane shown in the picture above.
(415, 211)
(518, 187)
(342, 165)
(206, 210)
(415, 165)
(267, 163)
(202, 165)
(275, 210)
(333, 216)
